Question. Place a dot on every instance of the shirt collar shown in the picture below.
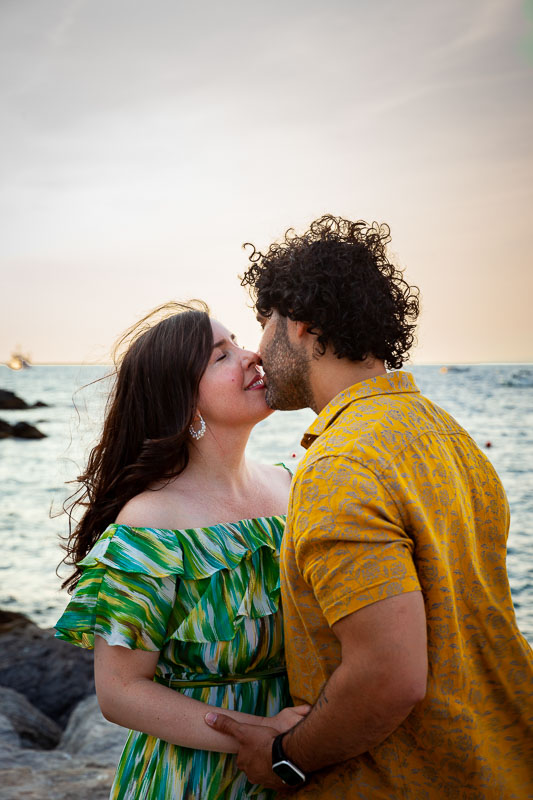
(391, 383)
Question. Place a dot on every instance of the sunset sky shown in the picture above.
(144, 142)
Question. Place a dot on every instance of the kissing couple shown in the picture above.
(343, 632)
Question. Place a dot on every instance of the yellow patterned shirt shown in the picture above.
(392, 496)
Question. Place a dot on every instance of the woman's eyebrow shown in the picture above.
(222, 341)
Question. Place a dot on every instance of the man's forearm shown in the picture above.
(381, 677)
(354, 713)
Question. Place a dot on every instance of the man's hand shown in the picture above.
(287, 718)
(255, 748)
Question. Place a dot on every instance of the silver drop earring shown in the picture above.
(200, 432)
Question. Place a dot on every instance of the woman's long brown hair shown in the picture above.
(145, 434)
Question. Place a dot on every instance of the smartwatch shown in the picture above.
(285, 769)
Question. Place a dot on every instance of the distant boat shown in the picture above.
(18, 361)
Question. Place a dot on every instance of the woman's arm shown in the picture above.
(129, 697)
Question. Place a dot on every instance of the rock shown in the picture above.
(11, 620)
(32, 726)
(83, 766)
(90, 735)
(23, 430)
(53, 675)
(9, 400)
(40, 775)
(8, 735)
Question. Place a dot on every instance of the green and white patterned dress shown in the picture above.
(208, 600)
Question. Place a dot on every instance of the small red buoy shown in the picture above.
(488, 444)
(293, 455)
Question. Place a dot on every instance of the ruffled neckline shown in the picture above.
(190, 553)
(239, 560)
(281, 517)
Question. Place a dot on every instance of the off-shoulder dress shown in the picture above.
(208, 600)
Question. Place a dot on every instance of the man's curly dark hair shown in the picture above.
(337, 277)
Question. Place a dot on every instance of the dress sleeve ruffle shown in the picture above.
(127, 591)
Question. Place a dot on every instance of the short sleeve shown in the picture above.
(349, 542)
(124, 608)
(127, 590)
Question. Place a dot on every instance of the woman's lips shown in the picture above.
(256, 383)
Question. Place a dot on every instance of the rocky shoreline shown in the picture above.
(12, 402)
(54, 742)
(21, 430)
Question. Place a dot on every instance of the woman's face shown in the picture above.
(232, 391)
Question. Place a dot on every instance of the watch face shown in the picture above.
(288, 773)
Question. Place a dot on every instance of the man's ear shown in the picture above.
(301, 329)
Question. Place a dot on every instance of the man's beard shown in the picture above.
(287, 373)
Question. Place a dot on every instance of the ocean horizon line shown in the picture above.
(424, 363)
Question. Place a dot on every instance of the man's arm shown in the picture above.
(382, 675)
(128, 696)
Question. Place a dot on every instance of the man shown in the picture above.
(400, 629)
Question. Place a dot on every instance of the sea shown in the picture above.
(494, 402)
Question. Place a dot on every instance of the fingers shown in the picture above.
(224, 724)
(302, 710)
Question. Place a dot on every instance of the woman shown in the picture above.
(176, 560)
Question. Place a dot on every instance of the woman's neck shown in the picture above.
(219, 485)
(219, 459)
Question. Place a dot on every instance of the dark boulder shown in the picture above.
(53, 675)
(11, 401)
(14, 620)
(33, 727)
(23, 430)
(9, 738)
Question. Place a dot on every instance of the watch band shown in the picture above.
(278, 753)
(283, 767)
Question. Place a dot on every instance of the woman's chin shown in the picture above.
(265, 412)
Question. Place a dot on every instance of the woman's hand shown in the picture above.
(287, 718)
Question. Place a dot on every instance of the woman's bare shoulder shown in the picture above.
(280, 474)
(283, 471)
(150, 509)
